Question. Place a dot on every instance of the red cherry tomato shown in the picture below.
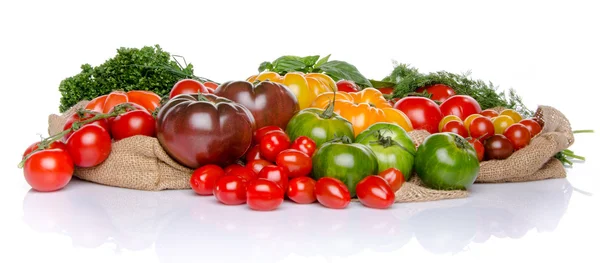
(276, 174)
(48, 170)
(478, 147)
(230, 190)
(439, 92)
(253, 154)
(204, 179)
(489, 113)
(375, 192)
(302, 190)
(347, 86)
(296, 163)
(137, 122)
(231, 167)
(187, 86)
(481, 128)
(257, 165)
(386, 90)
(272, 144)
(423, 113)
(264, 195)
(518, 135)
(332, 193)
(461, 106)
(456, 127)
(104, 123)
(394, 177)
(305, 145)
(533, 126)
(89, 146)
(245, 173)
(260, 133)
(53, 145)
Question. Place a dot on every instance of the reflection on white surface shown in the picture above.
(180, 224)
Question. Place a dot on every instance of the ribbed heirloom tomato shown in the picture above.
(105, 103)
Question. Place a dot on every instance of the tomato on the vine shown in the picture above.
(305, 145)
(461, 106)
(394, 177)
(295, 162)
(302, 190)
(230, 190)
(456, 127)
(439, 92)
(132, 123)
(187, 86)
(375, 192)
(76, 117)
(518, 135)
(53, 145)
(261, 132)
(481, 128)
(89, 146)
(332, 193)
(264, 195)
(205, 178)
(272, 144)
(48, 170)
(276, 174)
(253, 154)
(246, 173)
(533, 126)
(478, 147)
(257, 165)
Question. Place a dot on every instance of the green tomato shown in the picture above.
(392, 147)
(348, 162)
(446, 161)
(319, 125)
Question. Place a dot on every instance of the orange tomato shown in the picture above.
(105, 103)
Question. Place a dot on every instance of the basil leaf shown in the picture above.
(322, 61)
(310, 60)
(339, 70)
(288, 65)
(265, 66)
(381, 84)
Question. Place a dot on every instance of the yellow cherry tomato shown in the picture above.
(513, 114)
(447, 119)
(501, 123)
(470, 119)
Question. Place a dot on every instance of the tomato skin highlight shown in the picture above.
(423, 113)
(204, 179)
(264, 195)
(305, 145)
(461, 106)
(347, 86)
(276, 174)
(253, 154)
(332, 193)
(533, 126)
(518, 135)
(272, 144)
(89, 146)
(302, 190)
(187, 86)
(296, 163)
(137, 122)
(375, 192)
(481, 128)
(230, 190)
(48, 170)
(393, 177)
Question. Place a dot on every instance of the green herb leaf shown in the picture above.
(310, 60)
(265, 66)
(339, 70)
(322, 61)
(381, 84)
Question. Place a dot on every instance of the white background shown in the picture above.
(547, 50)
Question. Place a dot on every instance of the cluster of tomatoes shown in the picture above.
(276, 168)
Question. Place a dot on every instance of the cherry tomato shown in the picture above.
(513, 114)
(347, 86)
(48, 170)
(518, 135)
(468, 120)
(423, 113)
(230, 190)
(89, 146)
(296, 163)
(446, 119)
(272, 144)
(478, 147)
(257, 165)
(302, 190)
(276, 174)
(260, 133)
(439, 92)
(375, 192)
(264, 195)
(332, 193)
(231, 167)
(456, 127)
(187, 86)
(137, 122)
(305, 145)
(253, 154)
(245, 173)
(386, 90)
(489, 113)
(204, 179)
(533, 126)
(461, 106)
(481, 128)
(498, 147)
(76, 117)
(394, 177)
(501, 123)
(53, 145)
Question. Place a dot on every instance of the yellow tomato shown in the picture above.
(501, 123)
(447, 119)
(513, 114)
(469, 119)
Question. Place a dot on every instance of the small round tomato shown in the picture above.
(489, 113)
(187, 86)
(478, 147)
(456, 127)
(347, 86)
(468, 120)
(481, 128)
(272, 144)
(253, 154)
(276, 174)
(230, 190)
(204, 179)
(518, 135)
(394, 177)
(447, 119)
(257, 165)
(513, 114)
(332, 193)
(439, 92)
(424, 113)
(295, 162)
(246, 173)
(53, 145)
(137, 122)
(302, 190)
(386, 90)
(264, 195)
(89, 146)
(260, 133)
(498, 147)
(231, 167)
(48, 170)
(501, 123)
(461, 106)
(305, 145)
(76, 117)
(375, 192)
(533, 126)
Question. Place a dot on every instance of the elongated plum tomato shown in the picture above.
(276, 174)
(246, 173)
(423, 113)
(347, 86)
(305, 145)
(272, 144)
(518, 135)
(456, 127)
(375, 192)
(302, 190)
(187, 86)
(204, 179)
(48, 170)
(439, 92)
(257, 165)
(253, 154)
(295, 162)
(533, 126)
(230, 190)
(394, 177)
(481, 128)
(332, 193)
(461, 106)
(230, 167)
(260, 133)
(264, 195)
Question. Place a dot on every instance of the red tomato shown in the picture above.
(375, 192)
(253, 154)
(230, 190)
(129, 106)
(423, 113)
(481, 128)
(276, 174)
(204, 179)
(518, 135)
(230, 167)
(257, 165)
(386, 90)
(272, 144)
(305, 145)
(137, 122)
(147, 99)
(105, 103)
(79, 118)
(48, 170)
(394, 177)
(264, 195)
(456, 127)
(296, 163)
(347, 86)
(489, 113)
(439, 92)
(89, 146)
(211, 85)
(302, 190)
(245, 173)
(461, 106)
(260, 133)
(533, 126)
(332, 193)
(187, 86)
(53, 145)
(478, 147)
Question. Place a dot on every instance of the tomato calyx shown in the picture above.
(328, 112)
(387, 141)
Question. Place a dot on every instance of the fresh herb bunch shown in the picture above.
(407, 80)
(149, 68)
